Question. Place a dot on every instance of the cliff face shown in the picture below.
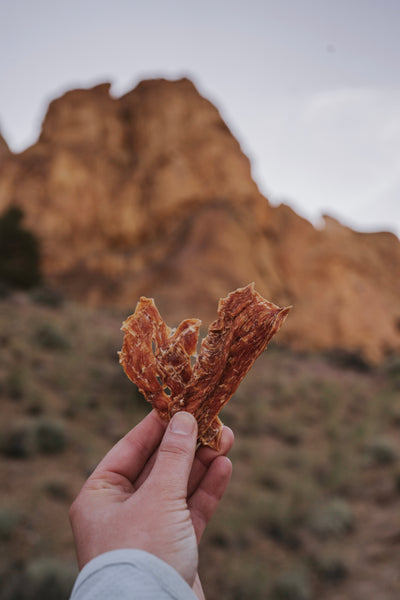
(150, 194)
(4, 149)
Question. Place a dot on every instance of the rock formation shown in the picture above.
(4, 149)
(150, 194)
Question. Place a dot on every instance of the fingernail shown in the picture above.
(183, 423)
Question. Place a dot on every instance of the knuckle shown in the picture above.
(171, 449)
(74, 509)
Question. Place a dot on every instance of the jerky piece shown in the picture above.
(246, 323)
(157, 358)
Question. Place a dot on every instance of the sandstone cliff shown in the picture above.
(4, 149)
(151, 194)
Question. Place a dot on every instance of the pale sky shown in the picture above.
(311, 88)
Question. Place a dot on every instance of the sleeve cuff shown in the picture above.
(134, 569)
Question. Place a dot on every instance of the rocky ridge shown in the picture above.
(151, 194)
(4, 149)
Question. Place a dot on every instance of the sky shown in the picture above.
(310, 88)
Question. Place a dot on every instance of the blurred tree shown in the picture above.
(19, 252)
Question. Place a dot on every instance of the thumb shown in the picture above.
(175, 456)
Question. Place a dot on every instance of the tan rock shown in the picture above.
(4, 149)
(151, 194)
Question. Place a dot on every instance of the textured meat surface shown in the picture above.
(157, 358)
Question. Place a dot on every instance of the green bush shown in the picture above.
(382, 451)
(15, 384)
(279, 520)
(346, 359)
(17, 441)
(57, 489)
(43, 578)
(9, 519)
(330, 567)
(24, 440)
(50, 579)
(331, 519)
(291, 585)
(48, 337)
(51, 437)
(47, 296)
(19, 252)
(243, 577)
(391, 368)
(397, 482)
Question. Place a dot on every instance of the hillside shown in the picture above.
(312, 511)
(151, 194)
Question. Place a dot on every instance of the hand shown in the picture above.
(153, 492)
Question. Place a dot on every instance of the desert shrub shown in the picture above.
(15, 383)
(243, 577)
(291, 585)
(57, 489)
(392, 367)
(51, 437)
(267, 477)
(391, 371)
(35, 404)
(44, 578)
(17, 441)
(280, 522)
(330, 567)
(49, 337)
(9, 519)
(347, 359)
(47, 296)
(339, 476)
(250, 585)
(382, 451)
(231, 529)
(23, 440)
(397, 482)
(19, 251)
(395, 415)
(331, 519)
(290, 431)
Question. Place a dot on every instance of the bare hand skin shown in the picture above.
(153, 492)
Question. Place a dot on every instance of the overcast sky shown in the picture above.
(311, 88)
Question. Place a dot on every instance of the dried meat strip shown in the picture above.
(157, 358)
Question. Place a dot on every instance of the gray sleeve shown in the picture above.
(131, 575)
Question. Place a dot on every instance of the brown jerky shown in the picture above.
(157, 358)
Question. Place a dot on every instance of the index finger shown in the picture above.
(128, 457)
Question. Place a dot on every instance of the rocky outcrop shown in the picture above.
(151, 194)
(344, 285)
(4, 149)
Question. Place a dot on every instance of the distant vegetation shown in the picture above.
(19, 252)
(312, 511)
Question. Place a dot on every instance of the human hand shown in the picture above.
(153, 491)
